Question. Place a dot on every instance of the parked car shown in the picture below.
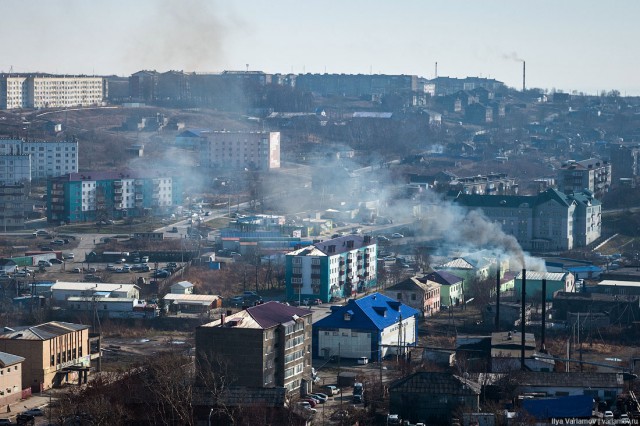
(58, 242)
(145, 259)
(67, 256)
(322, 396)
(397, 235)
(608, 414)
(363, 360)
(40, 233)
(36, 412)
(311, 401)
(22, 274)
(111, 267)
(44, 263)
(5, 422)
(332, 390)
(237, 300)
(55, 261)
(161, 273)
(76, 270)
(25, 419)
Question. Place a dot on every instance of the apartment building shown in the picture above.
(14, 206)
(264, 346)
(549, 221)
(91, 196)
(54, 352)
(10, 378)
(49, 91)
(24, 160)
(339, 267)
(593, 175)
(240, 150)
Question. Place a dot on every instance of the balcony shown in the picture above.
(118, 198)
(117, 183)
(117, 191)
(139, 197)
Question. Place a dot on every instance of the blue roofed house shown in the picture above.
(373, 326)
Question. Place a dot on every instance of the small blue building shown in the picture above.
(373, 326)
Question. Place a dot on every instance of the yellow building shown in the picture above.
(54, 353)
(10, 378)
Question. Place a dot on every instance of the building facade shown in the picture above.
(23, 160)
(49, 91)
(92, 196)
(14, 206)
(549, 221)
(593, 175)
(10, 378)
(264, 346)
(240, 150)
(373, 326)
(339, 267)
(423, 296)
(54, 352)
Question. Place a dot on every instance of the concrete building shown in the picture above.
(423, 296)
(28, 160)
(14, 206)
(54, 352)
(49, 91)
(182, 287)
(549, 221)
(373, 326)
(267, 345)
(10, 378)
(93, 196)
(593, 175)
(356, 85)
(192, 303)
(339, 267)
(252, 150)
(452, 291)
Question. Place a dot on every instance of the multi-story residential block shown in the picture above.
(49, 91)
(264, 346)
(240, 150)
(423, 296)
(593, 175)
(100, 195)
(54, 352)
(373, 326)
(339, 267)
(23, 160)
(357, 84)
(14, 206)
(625, 162)
(549, 221)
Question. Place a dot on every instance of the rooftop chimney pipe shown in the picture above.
(497, 326)
(522, 318)
(524, 75)
(543, 349)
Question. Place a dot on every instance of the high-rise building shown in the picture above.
(24, 160)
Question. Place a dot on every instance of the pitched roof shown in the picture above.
(435, 383)
(7, 360)
(340, 245)
(412, 283)
(573, 379)
(549, 276)
(182, 284)
(375, 311)
(442, 278)
(263, 316)
(44, 331)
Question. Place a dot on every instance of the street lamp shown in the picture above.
(210, 414)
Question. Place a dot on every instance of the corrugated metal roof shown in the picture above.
(442, 278)
(435, 383)
(549, 276)
(375, 311)
(108, 287)
(44, 331)
(191, 297)
(619, 283)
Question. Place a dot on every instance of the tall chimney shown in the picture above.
(497, 326)
(544, 315)
(524, 75)
(436, 70)
(523, 318)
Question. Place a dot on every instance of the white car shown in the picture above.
(397, 235)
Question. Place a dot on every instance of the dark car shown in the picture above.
(161, 273)
(25, 419)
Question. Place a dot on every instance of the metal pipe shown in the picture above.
(497, 326)
(543, 349)
(523, 318)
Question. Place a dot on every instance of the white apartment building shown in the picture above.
(13, 92)
(49, 91)
(239, 150)
(46, 159)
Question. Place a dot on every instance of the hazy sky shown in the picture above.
(582, 45)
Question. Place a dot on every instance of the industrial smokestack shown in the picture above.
(524, 75)
(436, 75)
(497, 326)
(544, 315)
(523, 318)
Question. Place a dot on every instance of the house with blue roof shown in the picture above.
(373, 326)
